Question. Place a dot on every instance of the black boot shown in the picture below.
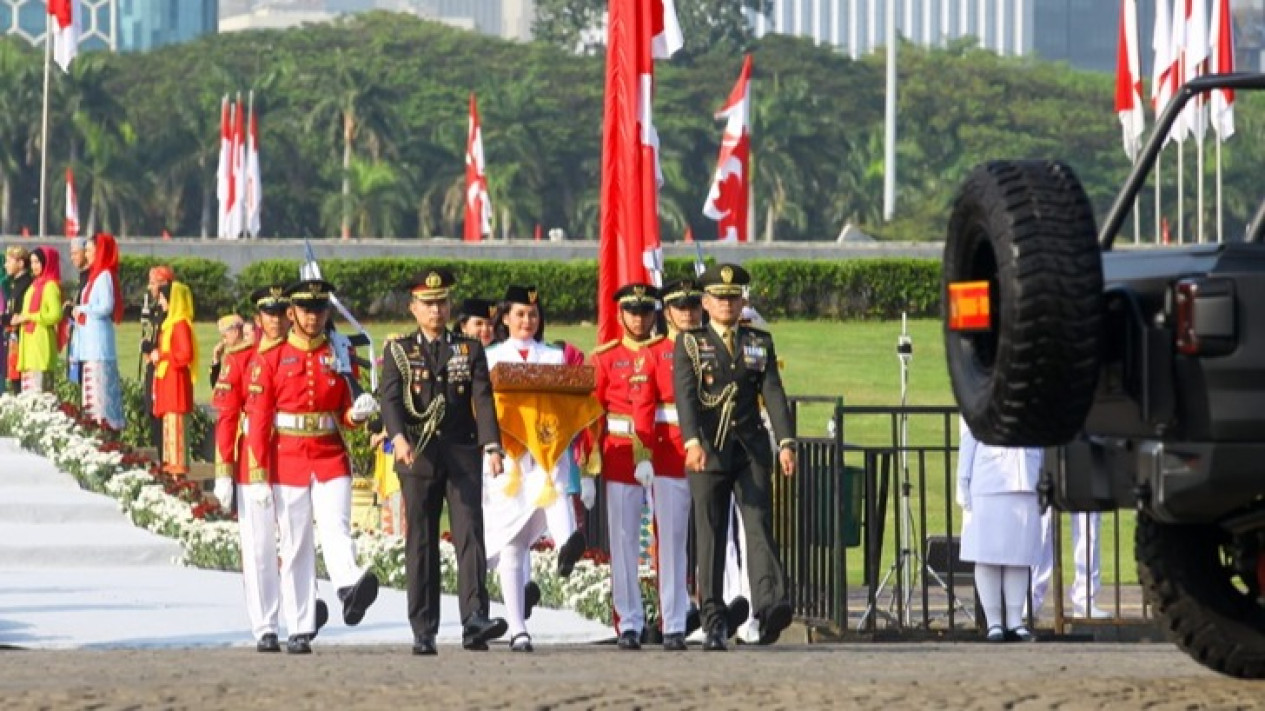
(357, 598)
(299, 644)
(268, 643)
(569, 554)
(773, 620)
(737, 613)
(531, 598)
(424, 646)
(479, 630)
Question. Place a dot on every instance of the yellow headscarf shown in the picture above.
(179, 308)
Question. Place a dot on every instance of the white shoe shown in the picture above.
(1093, 613)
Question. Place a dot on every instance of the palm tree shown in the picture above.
(785, 145)
(108, 174)
(355, 108)
(19, 121)
(374, 202)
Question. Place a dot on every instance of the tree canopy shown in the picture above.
(363, 125)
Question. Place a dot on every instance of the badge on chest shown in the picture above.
(755, 357)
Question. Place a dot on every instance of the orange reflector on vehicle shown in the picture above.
(968, 306)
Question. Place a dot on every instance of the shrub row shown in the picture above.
(375, 288)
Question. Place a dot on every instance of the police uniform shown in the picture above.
(297, 400)
(436, 394)
(624, 370)
(256, 514)
(721, 373)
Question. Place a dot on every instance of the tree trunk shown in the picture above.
(206, 201)
(505, 223)
(349, 123)
(769, 216)
(6, 204)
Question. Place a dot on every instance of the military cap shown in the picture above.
(310, 294)
(724, 280)
(229, 322)
(432, 285)
(680, 292)
(270, 299)
(479, 308)
(637, 297)
(522, 295)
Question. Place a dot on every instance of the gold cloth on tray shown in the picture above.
(542, 408)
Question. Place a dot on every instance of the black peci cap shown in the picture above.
(724, 280)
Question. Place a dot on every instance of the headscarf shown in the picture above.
(163, 273)
(106, 260)
(179, 308)
(51, 273)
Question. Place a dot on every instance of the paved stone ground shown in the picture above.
(886, 676)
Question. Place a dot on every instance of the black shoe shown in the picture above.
(424, 646)
(299, 644)
(357, 598)
(773, 621)
(737, 613)
(715, 641)
(674, 642)
(630, 640)
(268, 643)
(322, 616)
(531, 598)
(479, 630)
(521, 642)
(693, 621)
(1020, 634)
(569, 554)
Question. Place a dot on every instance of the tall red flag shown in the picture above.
(1222, 62)
(1129, 79)
(727, 200)
(478, 206)
(66, 16)
(638, 31)
(72, 206)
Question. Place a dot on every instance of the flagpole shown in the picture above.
(1137, 209)
(1181, 179)
(1220, 234)
(48, 57)
(1199, 201)
(1158, 211)
(889, 151)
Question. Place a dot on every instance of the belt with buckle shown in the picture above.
(306, 424)
(621, 425)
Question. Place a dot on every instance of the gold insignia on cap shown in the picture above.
(277, 292)
(531, 296)
(639, 291)
(316, 289)
(727, 275)
(434, 281)
(491, 312)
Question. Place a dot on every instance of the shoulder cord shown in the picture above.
(429, 419)
(725, 399)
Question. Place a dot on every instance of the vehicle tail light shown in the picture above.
(1203, 316)
(969, 308)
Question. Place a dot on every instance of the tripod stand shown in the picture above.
(909, 563)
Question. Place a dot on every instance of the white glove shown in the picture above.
(224, 491)
(588, 492)
(259, 493)
(364, 407)
(644, 473)
(963, 496)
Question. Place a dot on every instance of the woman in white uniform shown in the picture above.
(513, 518)
(1001, 528)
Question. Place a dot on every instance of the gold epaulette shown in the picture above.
(267, 344)
(654, 340)
(606, 347)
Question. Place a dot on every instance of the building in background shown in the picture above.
(508, 19)
(118, 25)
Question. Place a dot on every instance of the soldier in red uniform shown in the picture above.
(296, 403)
(623, 368)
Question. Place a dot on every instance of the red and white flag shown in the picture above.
(1129, 80)
(1195, 64)
(72, 206)
(638, 32)
(1177, 65)
(1162, 66)
(478, 220)
(254, 181)
(1221, 61)
(727, 200)
(65, 22)
(223, 168)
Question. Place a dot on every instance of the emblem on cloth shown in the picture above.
(727, 275)
(434, 281)
(547, 430)
(531, 296)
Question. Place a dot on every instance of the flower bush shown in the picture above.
(209, 535)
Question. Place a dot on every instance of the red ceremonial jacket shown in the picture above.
(298, 398)
(229, 401)
(623, 368)
(658, 412)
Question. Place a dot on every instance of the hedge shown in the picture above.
(375, 288)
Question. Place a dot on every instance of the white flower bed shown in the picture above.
(36, 421)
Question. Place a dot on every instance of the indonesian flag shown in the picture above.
(1194, 64)
(638, 32)
(1222, 62)
(1177, 66)
(254, 181)
(66, 18)
(727, 200)
(1162, 67)
(72, 206)
(222, 170)
(237, 223)
(478, 206)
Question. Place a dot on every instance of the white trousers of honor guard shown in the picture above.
(257, 524)
(330, 502)
(671, 522)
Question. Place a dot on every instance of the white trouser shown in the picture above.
(513, 566)
(331, 502)
(624, 503)
(737, 582)
(560, 519)
(1086, 555)
(995, 582)
(257, 523)
(672, 528)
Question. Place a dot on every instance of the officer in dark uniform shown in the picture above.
(438, 411)
(722, 371)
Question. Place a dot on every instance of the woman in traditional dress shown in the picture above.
(41, 334)
(1001, 531)
(175, 364)
(100, 307)
(531, 497)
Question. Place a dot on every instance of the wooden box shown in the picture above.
(540, 377)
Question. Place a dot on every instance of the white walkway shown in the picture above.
(74, 572)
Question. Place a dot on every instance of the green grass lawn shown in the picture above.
(853, 360)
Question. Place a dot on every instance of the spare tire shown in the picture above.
(1027, 376)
